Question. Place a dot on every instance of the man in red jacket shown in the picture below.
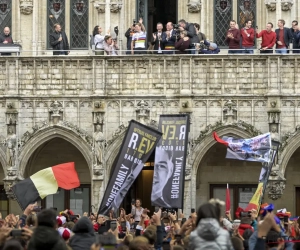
(248, 36)
(268, 39)
(233, 38)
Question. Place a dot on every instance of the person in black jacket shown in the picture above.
(283, 38)
(157, 39)
(6, 38)
(295, 37)
(191, 33)
(129, 34)
(59, 41)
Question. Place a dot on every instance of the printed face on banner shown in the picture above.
(170, 155)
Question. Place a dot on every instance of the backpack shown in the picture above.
(92, 41)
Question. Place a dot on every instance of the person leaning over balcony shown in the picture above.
(59, 41)
(6, 38)
(138, 44)
(191, 33)
(98, 40)
(183, 43)
(283, 38)
(211, 48)
(268, 39)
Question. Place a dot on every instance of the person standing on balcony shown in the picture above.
(248, 36)
(268, 39)
(138, 44)
(157, 39)
(6, 38)
(59, 41)
(295, 37)
(283, 38)
(169, 39)
(233, 38)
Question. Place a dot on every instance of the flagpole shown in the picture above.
(275, 147)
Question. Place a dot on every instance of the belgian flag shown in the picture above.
(46, 182)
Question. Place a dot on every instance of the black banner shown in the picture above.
(138, 144)
(170, 158)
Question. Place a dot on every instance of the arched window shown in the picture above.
(5, 14)
(55, 14)
(79, 15)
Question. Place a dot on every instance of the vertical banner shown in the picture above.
(138, 144)
(170, 158)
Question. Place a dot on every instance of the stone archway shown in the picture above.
(50, 132)
(206, 141)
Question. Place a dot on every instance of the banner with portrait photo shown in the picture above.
(170, 159)
(137, 146)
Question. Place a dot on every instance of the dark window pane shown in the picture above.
(79, 24)
(55, 14)
(246, 11)
(5, 15)
(223, 15)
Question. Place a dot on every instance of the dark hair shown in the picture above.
(270, 24)
(159, 23)
(31, 220)
(197, 25)
(237, 243)
(208, 210)
(96, 30)
(182, 21)
(12, 244)
(295, 21)
(232, 21)
(47, 218)
(247, 234)
(248, 20)
(138, 199)
(272, 238)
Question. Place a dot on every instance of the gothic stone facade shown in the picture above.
(45, 98)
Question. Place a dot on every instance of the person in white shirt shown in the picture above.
(98, 41)
(138, 44)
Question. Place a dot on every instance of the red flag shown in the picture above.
(218, 139)
(227, 199)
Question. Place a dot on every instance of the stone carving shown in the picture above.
(271, 6)
(45, 125)
(55, 110)
(287, 5)
(11, 117)
(98, 118)
(153, 124)
(99, 6)
(230, 112)
(287, 136)
(115, 7)
(143, 111)
(26, 6)
(98, 172)
(219, 124)
(274, 112)
(194, 6)
(188, 172)
(97, 105)
(11, 145)
(275, 189)
(121, 129)
(8, 184)
(274, 132)
(98, 146)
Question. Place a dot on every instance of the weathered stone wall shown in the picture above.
(217, 91)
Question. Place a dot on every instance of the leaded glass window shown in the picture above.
(223, 15)
(5, 14)
(246, 11)
(56, 14)
(79, 24)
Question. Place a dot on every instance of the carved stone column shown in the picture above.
(274, 118)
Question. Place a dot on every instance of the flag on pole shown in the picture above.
(227, 199)
(46, 182)
(253, 149)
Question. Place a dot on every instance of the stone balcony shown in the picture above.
(150, 75)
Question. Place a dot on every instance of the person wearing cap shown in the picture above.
(211, 48)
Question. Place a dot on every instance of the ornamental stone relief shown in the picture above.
(194, 6)
(26, 7)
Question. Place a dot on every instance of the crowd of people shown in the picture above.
(207, 229)
(181, 38)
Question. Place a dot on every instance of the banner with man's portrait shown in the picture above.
(170, 159)
(137, 146)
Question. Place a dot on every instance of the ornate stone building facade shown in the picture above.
(77, 108)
